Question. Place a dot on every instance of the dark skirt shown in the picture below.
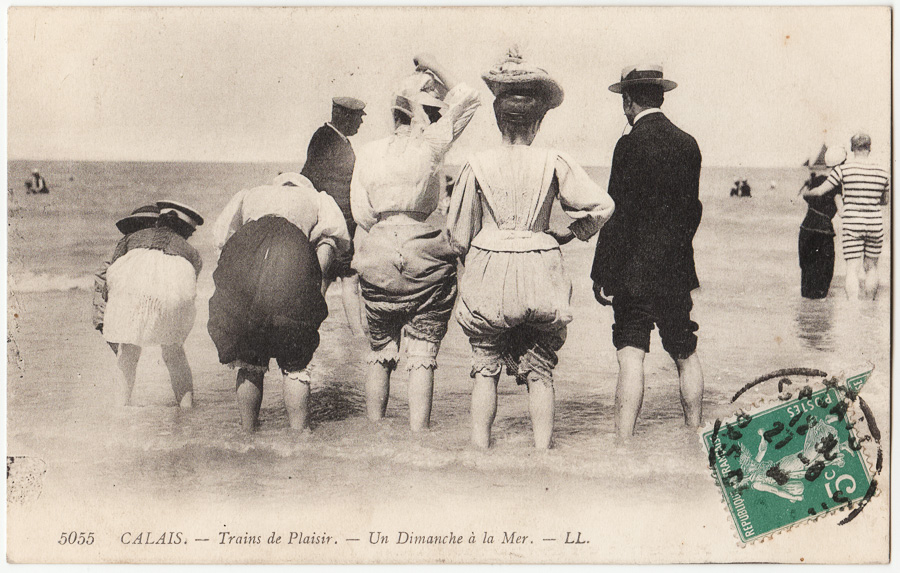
(816, 263)
(268, 301)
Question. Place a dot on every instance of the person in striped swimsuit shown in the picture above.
(865, 190)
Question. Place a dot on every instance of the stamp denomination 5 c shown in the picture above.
(791, 462)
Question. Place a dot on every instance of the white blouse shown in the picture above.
(397, 174)
(293, 197)
(503, 198)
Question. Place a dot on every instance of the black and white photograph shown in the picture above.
(449, 285)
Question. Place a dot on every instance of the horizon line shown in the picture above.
(273, 161)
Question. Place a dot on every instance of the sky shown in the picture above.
(758, 86)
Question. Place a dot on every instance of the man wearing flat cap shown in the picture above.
(329, 165)
(645, 257)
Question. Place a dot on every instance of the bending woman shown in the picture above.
(152, 283)
(514, 294)
(276, 242)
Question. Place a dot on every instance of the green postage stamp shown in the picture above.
(794, 461)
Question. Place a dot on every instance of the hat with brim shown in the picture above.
(187, 214)
(141, 218)
(516, 76)
(513, 74)
(645, 74)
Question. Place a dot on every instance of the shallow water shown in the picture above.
(60, 371)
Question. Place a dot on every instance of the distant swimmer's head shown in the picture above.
(861, 142)
(35, 172)
(141, 218)
(180, 218)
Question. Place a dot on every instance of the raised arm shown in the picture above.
(426, 62)
(462, 102)
(834, 179)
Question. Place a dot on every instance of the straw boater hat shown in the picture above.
(141, 218)
(513, 73)
(187, 214)
(644, 74)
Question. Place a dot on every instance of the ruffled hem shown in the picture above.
(298, 376)
(387, 356)
(428, 362)
(486, 368)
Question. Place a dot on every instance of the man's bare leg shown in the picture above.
(851, 281)
(484, 409)
(629, 390)
(690, 377)
(378, 388)
(128, 357)
(249, 396)
(542, 405)
(870, 266)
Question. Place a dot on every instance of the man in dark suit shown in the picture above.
(645, 257)
(329, 165)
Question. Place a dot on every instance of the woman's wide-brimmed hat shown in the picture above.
(187, 214)
(644, 74)
(141, 218)
(513, 73)
(419, 89)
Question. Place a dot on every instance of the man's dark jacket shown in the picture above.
(329, 165)
(646, 247)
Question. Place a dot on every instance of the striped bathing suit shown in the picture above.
(864, 186)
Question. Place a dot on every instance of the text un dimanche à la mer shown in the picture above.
(372, 538)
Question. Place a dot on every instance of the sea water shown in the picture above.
(61, 373)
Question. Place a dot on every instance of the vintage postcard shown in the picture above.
(449, 285)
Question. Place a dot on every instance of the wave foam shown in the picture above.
(29, 281)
